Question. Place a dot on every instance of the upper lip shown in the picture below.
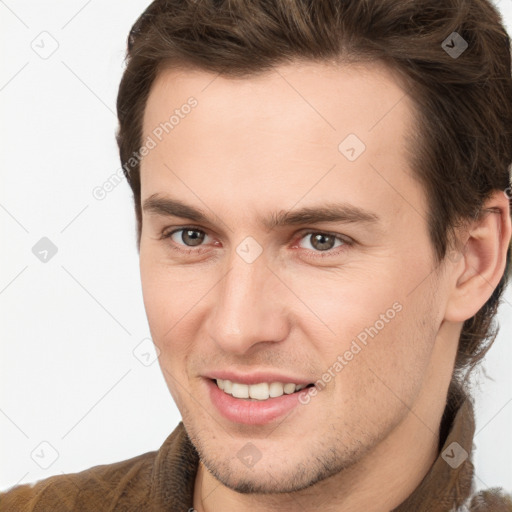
(255, 377)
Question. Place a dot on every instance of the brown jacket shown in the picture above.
(163, 480)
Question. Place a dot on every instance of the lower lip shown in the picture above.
(249, 412)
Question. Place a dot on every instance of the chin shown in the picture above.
(262, 481)
(274, 477)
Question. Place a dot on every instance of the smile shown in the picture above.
(259, 391)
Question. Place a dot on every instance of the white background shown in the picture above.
(70, 378)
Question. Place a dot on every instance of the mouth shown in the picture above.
(259, 392)
(257, 398)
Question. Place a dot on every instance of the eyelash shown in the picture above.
(315, 254)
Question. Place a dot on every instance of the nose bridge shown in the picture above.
(244, 313)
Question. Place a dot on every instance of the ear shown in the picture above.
(482, 261)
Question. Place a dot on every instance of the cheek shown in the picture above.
(153, 293)
(337, 307)
(166, 310)
(395, 356)
(378, 381)
(174, 300)
(375, 336)
(161, 301)
(164, 289)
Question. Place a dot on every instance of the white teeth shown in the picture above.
(276, 389)
(260, 391)
(289, 388)
(240, 390)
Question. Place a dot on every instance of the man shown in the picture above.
(322, 197)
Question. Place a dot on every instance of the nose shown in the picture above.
(250, 307)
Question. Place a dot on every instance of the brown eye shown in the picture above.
(322, 241)
(188, 237)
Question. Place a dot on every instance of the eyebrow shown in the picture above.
(331, 212)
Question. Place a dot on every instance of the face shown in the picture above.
(284, 241)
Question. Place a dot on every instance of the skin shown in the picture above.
(258, 145)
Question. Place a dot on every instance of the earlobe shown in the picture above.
(482, 260)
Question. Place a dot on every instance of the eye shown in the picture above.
(188, 237)
(321, 242)
(318, 243)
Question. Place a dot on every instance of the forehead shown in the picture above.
(280, 132)
(325, 97)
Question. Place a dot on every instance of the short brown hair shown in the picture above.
(463, 144)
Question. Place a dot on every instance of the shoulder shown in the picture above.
(491, 500)
(96, 488)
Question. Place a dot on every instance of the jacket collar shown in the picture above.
(448, 484)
